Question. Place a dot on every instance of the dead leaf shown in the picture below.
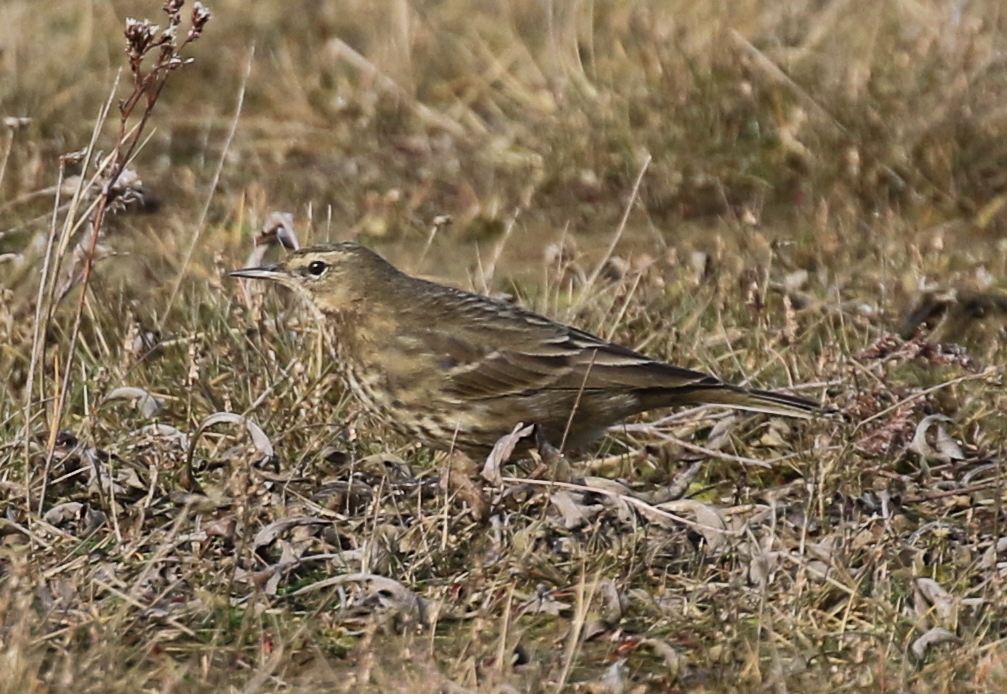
(945, 607)
(709, 523)
(990, 556)
(615, 495)
(165, 431)
(574, 513)
(672, 660)
(503, 449)
(63, 513)
(144, 401)
(268, 534)
(379, 593)
(259, 439)
(932, 637)
(945, 448)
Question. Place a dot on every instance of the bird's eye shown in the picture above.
(317, 267)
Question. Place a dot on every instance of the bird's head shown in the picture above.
(334, 276)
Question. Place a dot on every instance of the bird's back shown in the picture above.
(479, 366)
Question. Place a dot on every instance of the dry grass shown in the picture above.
(814, 179)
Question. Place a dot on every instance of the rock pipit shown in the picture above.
(458, 370)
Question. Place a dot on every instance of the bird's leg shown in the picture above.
(460, 478)
(549, 460)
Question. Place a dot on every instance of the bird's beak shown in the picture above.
(258, 273)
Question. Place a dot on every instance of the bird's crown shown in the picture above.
(315, 262)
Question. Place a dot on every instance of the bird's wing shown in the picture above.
(521, 352)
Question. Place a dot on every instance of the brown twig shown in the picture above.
(141, 38)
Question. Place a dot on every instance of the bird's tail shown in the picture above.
(737, 398)
(753, 400)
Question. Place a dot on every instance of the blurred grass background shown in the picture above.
(811, 171)
(390, 115)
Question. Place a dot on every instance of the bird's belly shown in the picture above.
(564, 421)
(416, 405)
(402, 406)
(365, 388)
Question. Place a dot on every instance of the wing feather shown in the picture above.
(487, 357)
(482, 349)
